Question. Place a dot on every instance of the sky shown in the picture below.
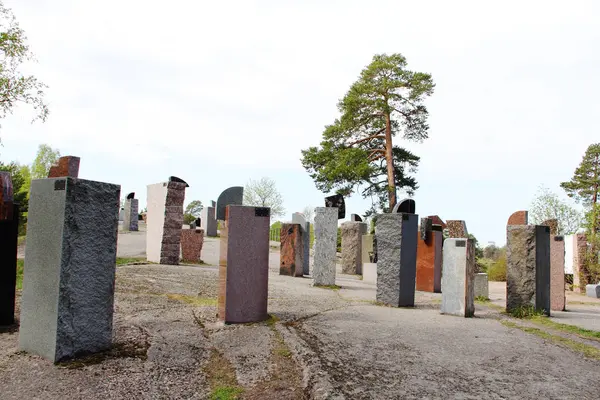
(218, 93)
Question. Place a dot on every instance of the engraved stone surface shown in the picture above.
(429, 262)
(579, 251)
(208, 221)
(367, 249)
(69, 274)
(298, 218)
(528, 267)
(406, 206)
(396, 258)
(338, 202)
(244, 266)
(230, 196)
(482, 287)
(355, 218)
(552, 224)
(352, 233)
(457, 229)
(130, 215)
(458, 291)
(425, 227)
(65, 166)
(518, 218)
(557, 272)
(437, 221)
(9, 229)
(593, 291)
(192, 241)
(325, 245)
(292, 250)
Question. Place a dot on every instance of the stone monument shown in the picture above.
(355, 218)
(369, 267)
(325, 245)
(191, 245)
(429, 258)
(244, 264)
(338, 202)
(406, 206)
(208, 221)
(518, 218)
(457, 229)
(458, 292)
(65, 166)
(165, 221)
(528, 267)
(298, 218)
(593, 291)
(230, 196)
(352, 233)
(579, 252)
(69, 274)
(482, 286)
(9, 231)
(557, 272)
(292, 250)
(130, 216)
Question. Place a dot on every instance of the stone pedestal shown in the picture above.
(191, 245)
(396, 258)
(164, 222)
(557, 273)
(244, 265)
(292, 250)
(69, 277)
(325, 246)
(298, 218)
(367, 249)
(208, 221)
(482, 287)
(458, 290)
(352, 233)
(9, 231)
(130, 215)
(528, 267)
(593, 291)
(429, 262)
(579, 250)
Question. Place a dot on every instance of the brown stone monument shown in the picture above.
(191, 244)
(557, 272)
(579, 251)
(244, 264)
(518, 218)
(66, 166)
(457, 229)
(552, 224)
(292, 250)
(436, 220)
(429, 259)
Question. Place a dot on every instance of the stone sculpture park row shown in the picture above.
(77, 266)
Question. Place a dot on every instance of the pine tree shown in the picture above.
(585, 183)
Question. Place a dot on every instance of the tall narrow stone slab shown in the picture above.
(298, 218)
(457, 229)
(192, 241)
(528, 267)
(557, 273)
(292, 250)
(396, 258)
(244, 265)
(69, 274)
(352, 233)
(579, 250)
(9, 230)
(67, 166)
(164, 222)
(325, 245)
(130, 215)
(367, 248)
(208, 221)
(569, 254)
(482, 286)
(429, 262)
(230, 196)
(458, 291)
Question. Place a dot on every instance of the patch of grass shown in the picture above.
(585, 333)
(226, 393)
(586, 350)
(193, 300)
(20, 265)
(497, 271)
(332, 287)
(131, 261)
(221, 377)
(272, 320)
(525, 312)
(482, 299)
(21, 240)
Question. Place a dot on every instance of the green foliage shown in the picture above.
(497, 271)
(585, 183)
(194, 208)
(591, 271)
(263, 193)
(226, 393)
(385, 101)
(275, 232)
(525, 312)
(339, 240)
(45, 157)
(547, 205)
(15, 87)
(21, 182)
(20, 266)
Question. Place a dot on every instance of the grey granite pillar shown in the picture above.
(69, 277)
(130, 215)
(482, 287)
(208, 221)
(298, 218)
(528, 267)
(396, 258)
(458, 291)
(325, 246)
(352, 233)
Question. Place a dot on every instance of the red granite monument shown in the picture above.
(292, 250)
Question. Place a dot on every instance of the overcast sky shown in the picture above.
(218, 93)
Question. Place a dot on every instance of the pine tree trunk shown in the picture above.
(389, 158)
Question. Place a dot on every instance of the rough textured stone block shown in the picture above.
(528, 267)
(66, 166)
(292, 250)
(208, 221)
(244, 264)
(370, 273)
(192, 241)
(557, 272)
(367, 249)
(352, 233)
(458, 290)
(429, 262)
(579, 250)
(130, 216)
(518, 218)
(436, 220)
(482, 287)
(164, 222)
(593, 291)
(552, 224)
(9, 230)
(325, 245)
(69, 275)
(425, 227)
(396, 258)
(457, 229)
(298, 218)
(407, 206)
(230, 196)
(337, 201)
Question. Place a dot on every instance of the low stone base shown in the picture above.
(369, 272)
(482, 288)
(191, 244)
(593, 291)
